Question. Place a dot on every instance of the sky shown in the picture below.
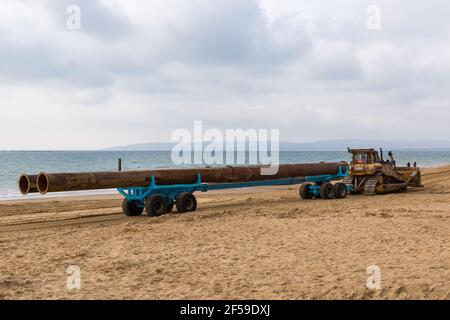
(135, 71)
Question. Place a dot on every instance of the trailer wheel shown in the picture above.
(305, 191)
(341, 190)
(186, 202)
(155, 205)
(131, 209)
(327, 191)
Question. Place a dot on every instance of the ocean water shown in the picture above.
(15, 163)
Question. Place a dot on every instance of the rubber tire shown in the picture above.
(156, 205)
(340, 190)
(327, 191)
(186, 202)
(304, 191)
(130, 209)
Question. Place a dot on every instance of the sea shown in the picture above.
(15, 163)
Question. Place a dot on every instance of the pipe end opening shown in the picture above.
(42, 183)
(24, 184)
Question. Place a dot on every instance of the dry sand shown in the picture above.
(261, 243)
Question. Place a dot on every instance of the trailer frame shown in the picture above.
(171, 192)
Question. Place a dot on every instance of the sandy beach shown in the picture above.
(263, 243)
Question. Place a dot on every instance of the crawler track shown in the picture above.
(371, 185)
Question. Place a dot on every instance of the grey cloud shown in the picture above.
(232, 33)
(215, 60)
(237, 33)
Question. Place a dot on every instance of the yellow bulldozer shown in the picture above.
(370, 174)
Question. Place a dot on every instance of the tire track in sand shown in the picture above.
(36, 225)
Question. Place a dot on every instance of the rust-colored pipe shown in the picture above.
(28, 184)
(54, 182)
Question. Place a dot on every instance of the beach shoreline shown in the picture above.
(255, 243)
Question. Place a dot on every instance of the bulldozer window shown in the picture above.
(361, 158)
(376, 157)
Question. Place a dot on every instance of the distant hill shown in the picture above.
(154, 146)
(322, 145)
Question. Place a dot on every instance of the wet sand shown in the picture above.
(259, 243)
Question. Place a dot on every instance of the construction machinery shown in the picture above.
(370, 174)
(158, 191)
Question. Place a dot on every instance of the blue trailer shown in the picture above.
(160, 199)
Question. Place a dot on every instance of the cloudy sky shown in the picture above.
(136, 70)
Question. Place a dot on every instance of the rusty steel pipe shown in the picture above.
(54, 182)
(28, 184)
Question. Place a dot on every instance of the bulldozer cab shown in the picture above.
(364, 156)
